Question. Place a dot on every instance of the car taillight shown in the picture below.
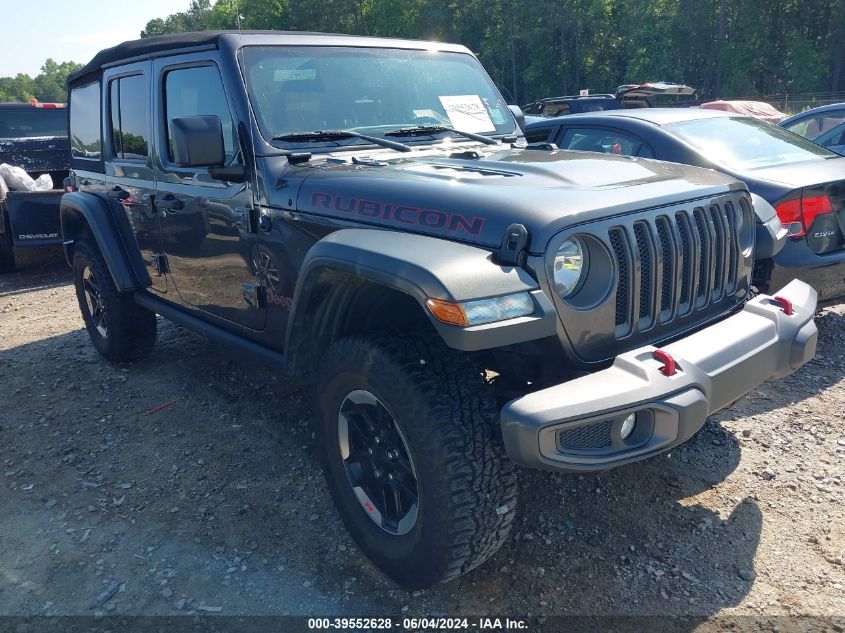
(797, 215)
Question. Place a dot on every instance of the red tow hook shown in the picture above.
(670, 367)
(785, 305)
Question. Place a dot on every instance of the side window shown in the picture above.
(605, 142)
(198, 91)
(813, 127)
(85, 141)
(128, 114)
(556, 109)
(538, 136)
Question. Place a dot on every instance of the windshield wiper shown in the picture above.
(334, 135)
(437, 129)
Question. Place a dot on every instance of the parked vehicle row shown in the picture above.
(626, 96)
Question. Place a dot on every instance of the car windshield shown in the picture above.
(739, 142)
(370, 90)
(29, 122)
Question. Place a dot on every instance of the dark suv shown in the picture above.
(365, 215)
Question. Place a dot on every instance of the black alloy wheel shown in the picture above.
(94, 301)
(377, 462)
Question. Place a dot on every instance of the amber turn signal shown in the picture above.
(447, 312)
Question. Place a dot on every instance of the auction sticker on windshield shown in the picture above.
(467, 113)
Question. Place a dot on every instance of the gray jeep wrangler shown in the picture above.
(366, 215)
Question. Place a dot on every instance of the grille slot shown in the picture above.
(672, 266)
(668, 264)
(646, 273)
(703, 234)
(623, 288)
(687, 266)
(584, 438)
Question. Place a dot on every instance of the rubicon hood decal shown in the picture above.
(457, 223)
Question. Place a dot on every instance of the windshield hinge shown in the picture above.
(512, 251)
(298, 158)
(469, 154)
(368, 160)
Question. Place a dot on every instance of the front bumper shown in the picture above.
(576, 425)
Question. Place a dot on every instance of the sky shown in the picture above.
(71, 30)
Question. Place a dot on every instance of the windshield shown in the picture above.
(32, 122)
(370, 90)
(746, 142)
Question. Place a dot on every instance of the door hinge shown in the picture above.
(159, 263)
(254, 295)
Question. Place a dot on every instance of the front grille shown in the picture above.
(673, 264)
(582, 438)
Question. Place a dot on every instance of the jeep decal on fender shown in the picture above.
(406, 214)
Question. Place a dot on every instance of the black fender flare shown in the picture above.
(421, 267)
(84, 213)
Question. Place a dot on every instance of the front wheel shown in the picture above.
(120, 329)
(413, 456)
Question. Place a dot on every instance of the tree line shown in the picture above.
(49, 85)
(537, 48)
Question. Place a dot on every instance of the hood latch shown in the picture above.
(512, 251)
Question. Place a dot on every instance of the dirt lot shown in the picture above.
(189, 482)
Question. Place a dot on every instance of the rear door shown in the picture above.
(130, 180)
(204, 222)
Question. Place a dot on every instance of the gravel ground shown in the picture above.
(188, 482)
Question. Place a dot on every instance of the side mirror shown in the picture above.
(517, 113)
(197, 141)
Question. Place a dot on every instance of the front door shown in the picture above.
(204, 222)
(130, 180)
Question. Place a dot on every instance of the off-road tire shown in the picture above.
(446, 412)
(7, 247)
(130, 329)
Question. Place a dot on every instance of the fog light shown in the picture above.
(628, 425)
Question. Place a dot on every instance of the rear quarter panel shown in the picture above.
(34, 217)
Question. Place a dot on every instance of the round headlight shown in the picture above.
(568, 267)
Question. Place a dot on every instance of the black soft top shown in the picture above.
(161, 43)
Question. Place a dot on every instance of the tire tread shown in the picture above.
(477, 478)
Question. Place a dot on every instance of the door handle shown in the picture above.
(170, 202)
(119, 193)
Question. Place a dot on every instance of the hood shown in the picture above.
(475, 199)
(36, 154)
(804, 174)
